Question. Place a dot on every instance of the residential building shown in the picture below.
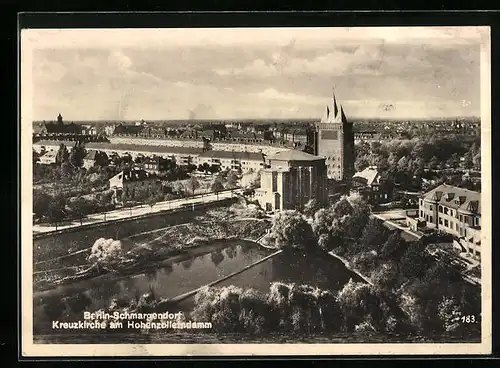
(89, 129)
(291, 179)
(93, 158)
(109, 130)
(48, 158)
(456, 211)
(333, 138)
(129, 183)
(371, 185)
(182, 155)
(243, 161)
(156, 164)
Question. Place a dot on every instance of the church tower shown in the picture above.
(334, 139)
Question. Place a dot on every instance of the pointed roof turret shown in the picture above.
(342, 115)
(335, 107)
(326, 115)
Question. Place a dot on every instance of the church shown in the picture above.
(333, 139)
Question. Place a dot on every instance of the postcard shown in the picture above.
(255, 191)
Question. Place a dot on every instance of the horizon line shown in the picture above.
(262, 119)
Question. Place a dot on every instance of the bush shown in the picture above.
(285, 308)
(106, 252)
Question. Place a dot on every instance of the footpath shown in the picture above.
(140, 210)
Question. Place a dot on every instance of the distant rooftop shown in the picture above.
(234, 155)
(295, 155)
(366, 176)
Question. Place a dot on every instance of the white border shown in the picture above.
(66, 38)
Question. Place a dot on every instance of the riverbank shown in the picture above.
(350, 268)
(159, 260)
(131, 213)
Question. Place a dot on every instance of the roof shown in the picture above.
(133, 175)
(367, 176)
(37, 129)
(91, 155)
(295, 155)
(128, 129)
(50, 154)
(243, 135)
(64, 128)
(457, 198)
(334, 112)
(234, 155)
(127, 147)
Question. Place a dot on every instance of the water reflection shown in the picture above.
(187, 264)
(325, 273)
(230, 253)
(105, 291)
(150, 274)
(168, 281)
(78, 303)
(217, 257)
(167, 270)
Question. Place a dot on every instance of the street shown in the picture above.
(144, 209)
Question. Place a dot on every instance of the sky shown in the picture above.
(244, 73)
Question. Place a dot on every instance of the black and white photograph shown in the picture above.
(255, 191)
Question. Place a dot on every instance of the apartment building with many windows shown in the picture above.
(456, 211)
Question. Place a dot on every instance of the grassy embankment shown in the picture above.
(177, 242)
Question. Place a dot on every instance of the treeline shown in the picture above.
(296, 308)
(421, 284)
(403, 161)
(58, 207)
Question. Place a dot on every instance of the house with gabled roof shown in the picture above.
(129, 183)
(371, 185)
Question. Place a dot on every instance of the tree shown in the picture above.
(81, 207)
(434, 163)
(414, 262)
(192, 184)
(468, 160)
(402, 164)
(311, 207)
(77, 155)
(322, 221)
(56, 210)
(62, 154)
(153, 199)
(357, 302)
(256, 180)
(342, 208)
(217, 186)
(386, 277)
(101, 159)
(104, 201)
(361, 163)
(106, 252)
(41, 201)
(214, 168)
(179, 188)
(374, 235)
(205, 167)
(291, 229)
(394, 247)
(232, 180)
